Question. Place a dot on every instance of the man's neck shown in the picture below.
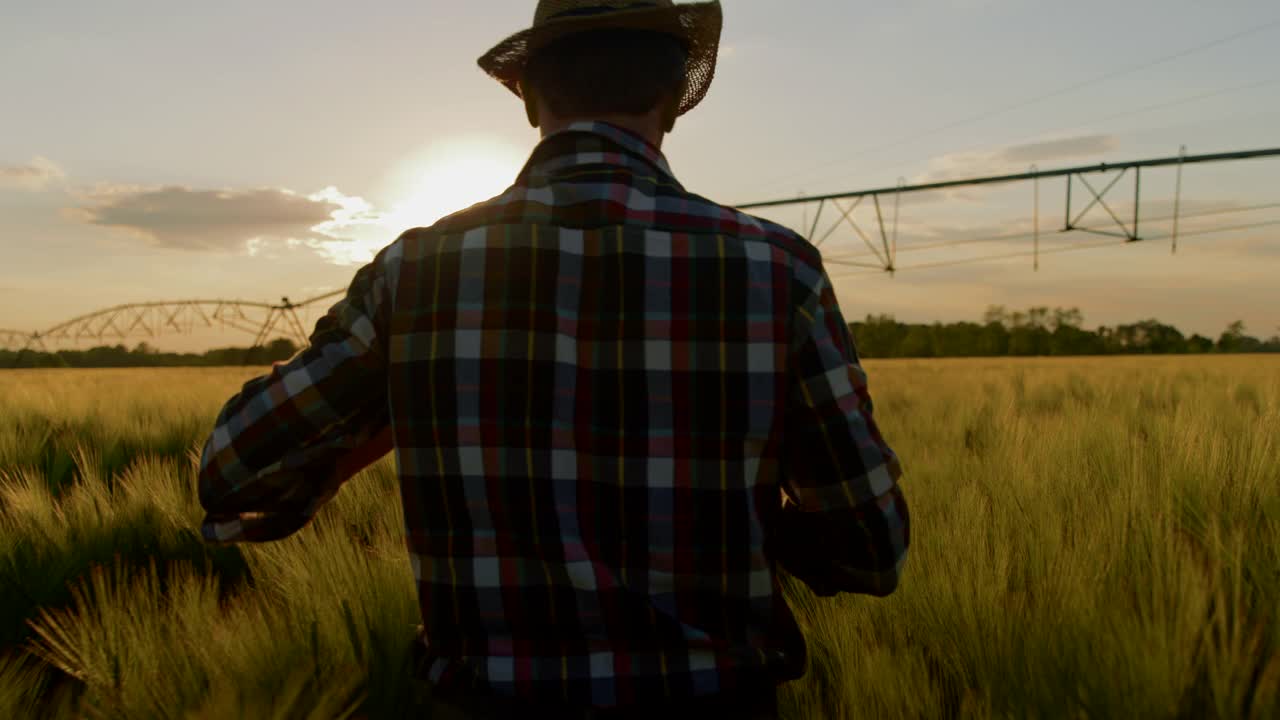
(646, 126)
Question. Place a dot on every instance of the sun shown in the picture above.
(453, 175)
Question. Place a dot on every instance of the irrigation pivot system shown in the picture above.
(1128, 229)
(153, 319)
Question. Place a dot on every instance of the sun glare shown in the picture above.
(451, 176)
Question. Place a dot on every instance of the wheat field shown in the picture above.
(1090, 538)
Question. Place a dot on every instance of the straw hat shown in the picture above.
(697, 25)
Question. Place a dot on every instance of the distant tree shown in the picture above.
(1067, 318)
(1071, 340)
(1029, 338)
(962, 340)
(995, 315)
(1199, 344)
(1230, 338)
(1234, 340)
(993, 341)
(1148, 336)
(879, 336)
(917, 343)
(281, 349)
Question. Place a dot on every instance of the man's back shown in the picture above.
(617, 408)
(599, 388)
(589, 379)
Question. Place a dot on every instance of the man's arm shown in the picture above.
(844, 525)
(286, 443)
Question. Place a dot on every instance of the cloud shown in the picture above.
(35, 175)
(228, 220)
(1081, 146)
(1014, 158)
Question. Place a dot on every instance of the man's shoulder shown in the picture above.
(674, 211)
(504, 208)
(745, 226)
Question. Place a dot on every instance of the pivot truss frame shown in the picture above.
(154, 319)
(885, 251)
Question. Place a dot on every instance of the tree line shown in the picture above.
(1038, 331)
(143, 355)
(1041, 331)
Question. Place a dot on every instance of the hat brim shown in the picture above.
(697, 25)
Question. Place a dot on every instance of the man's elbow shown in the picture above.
(209, 492)
(877, 583)
(213, 490)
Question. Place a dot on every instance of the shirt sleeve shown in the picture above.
(271, 460)
(844, 525)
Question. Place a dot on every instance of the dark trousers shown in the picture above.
(756, 704)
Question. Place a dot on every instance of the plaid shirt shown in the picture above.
(617, 408)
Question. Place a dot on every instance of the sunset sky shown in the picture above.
(160, 150)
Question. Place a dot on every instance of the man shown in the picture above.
(617, 408)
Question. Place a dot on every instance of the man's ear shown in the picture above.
(530, 105)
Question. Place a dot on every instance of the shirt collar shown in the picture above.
(593, 143)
